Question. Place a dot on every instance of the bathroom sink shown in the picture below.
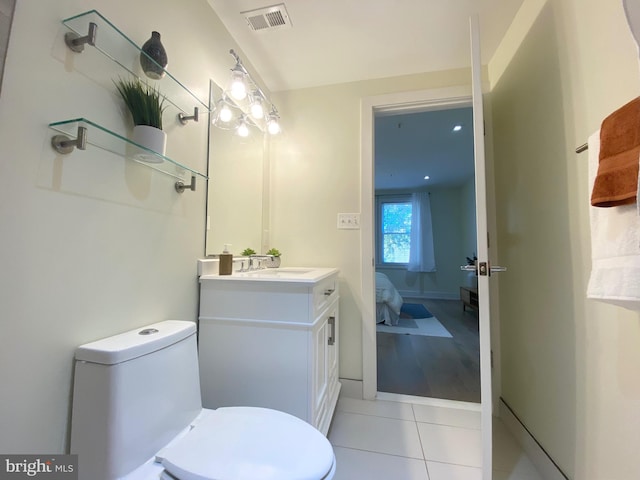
(279, 271)
(287, 274)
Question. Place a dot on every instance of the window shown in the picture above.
(394, 232)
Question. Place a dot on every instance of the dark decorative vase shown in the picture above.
(153, 57)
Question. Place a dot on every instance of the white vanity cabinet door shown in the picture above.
(320, 373)
(271, 345)
(325, 380)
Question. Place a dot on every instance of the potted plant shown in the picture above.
(247, 252)
(274, 261)
(146, 105)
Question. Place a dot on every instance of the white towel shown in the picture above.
(615, 247)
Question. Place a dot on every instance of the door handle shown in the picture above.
(483, 268)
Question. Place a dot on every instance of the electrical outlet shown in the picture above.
(349, 221)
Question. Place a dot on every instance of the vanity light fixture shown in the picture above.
(246, 102)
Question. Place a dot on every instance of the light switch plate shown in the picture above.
(349, 221)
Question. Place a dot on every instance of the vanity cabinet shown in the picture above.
(270, 339)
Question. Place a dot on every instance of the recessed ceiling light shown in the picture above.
(457, 128)
(426, 177)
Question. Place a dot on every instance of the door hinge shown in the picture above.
(491, 358)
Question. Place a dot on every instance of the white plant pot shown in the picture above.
(151, 138)
(273, 262)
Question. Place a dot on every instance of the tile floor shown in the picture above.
(379, 440)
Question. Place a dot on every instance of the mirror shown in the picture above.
(6, 16)
(236, 212)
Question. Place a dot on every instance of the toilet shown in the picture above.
(137, 415)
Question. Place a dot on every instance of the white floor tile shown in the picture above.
(376, 434)
(442, 443)
(508, 456)
(523, 470)
(447, 416)
(357, 464)
(402, 411)
(447, 471)
(379, 440)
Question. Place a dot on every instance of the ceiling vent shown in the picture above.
(267, 18)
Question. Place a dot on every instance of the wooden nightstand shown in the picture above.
(469, 297)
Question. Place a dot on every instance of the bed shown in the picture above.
(388, 301)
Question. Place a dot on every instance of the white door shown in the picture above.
(483, 265)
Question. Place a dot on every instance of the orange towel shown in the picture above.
(617, 179)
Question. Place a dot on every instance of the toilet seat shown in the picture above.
(248, 443)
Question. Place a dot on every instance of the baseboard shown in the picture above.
(545, 465)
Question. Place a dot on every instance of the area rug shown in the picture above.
(429, 327)
(414, 310)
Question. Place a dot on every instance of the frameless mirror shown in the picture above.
(235, 206)
(6, 16)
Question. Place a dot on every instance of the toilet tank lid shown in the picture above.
(135, 343)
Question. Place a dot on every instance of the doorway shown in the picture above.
(388, 105)
(431, 350)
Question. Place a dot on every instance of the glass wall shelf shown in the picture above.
(105, 139)
(111, 42)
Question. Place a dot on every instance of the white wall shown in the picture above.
(569, 365)
(91, 245)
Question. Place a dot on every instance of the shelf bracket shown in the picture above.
(184, 119)
(181, 187)
(76, 43)
(63, 144)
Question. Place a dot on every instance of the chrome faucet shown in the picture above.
(253, 262)
(259, 260)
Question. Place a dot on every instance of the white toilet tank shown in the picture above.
(132, 394)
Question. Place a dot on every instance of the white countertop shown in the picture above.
(284, 274)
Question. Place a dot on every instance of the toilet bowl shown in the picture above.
(137, 415)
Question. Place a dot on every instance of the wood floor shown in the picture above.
(437, 367)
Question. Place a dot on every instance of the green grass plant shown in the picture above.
(144, 101)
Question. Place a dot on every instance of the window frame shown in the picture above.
(379, 247)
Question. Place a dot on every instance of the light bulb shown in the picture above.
(225, 114)
(238, 87)
(257, 110)
(243, 129)
(273, 126)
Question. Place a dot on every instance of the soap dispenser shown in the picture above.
(226, 261)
